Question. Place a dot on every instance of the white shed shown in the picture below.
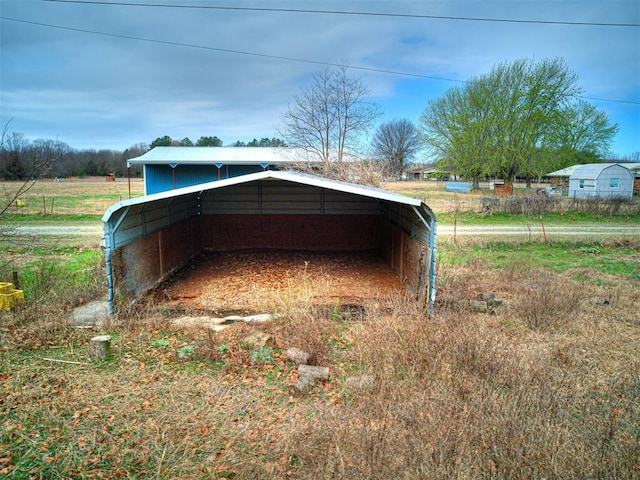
(602, 180)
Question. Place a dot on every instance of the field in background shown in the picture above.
(73, 196)
(92, 196)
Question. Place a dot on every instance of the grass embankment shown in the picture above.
(41, 219)
(549, 218)
(544, 389)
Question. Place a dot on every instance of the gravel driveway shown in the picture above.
(599, 231)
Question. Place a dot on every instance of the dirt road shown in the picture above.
(595, 231)
(535, 231)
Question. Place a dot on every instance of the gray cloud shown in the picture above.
(96, 91)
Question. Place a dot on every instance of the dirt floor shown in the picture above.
(267, 281)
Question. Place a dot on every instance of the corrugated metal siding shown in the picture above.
(142, 220)
(157, 178)
(278, 197)
(405, 218)
(187, 175)
(230, 171)
(160, 178)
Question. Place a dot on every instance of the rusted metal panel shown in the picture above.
(293, 232)
(142, 264)
(412, 258)
(135, 268)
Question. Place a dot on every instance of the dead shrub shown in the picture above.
(50, 295)
(603, 206)
(548, 301)
(524, 204)
(310, 331)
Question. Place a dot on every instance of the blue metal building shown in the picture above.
(169, 168)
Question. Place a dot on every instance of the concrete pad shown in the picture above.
(90, 313)
(218, 324)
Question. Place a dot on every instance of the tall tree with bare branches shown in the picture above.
(396, 142)
(327, 117)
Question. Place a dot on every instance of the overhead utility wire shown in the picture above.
(264, 55)
(225, 50)
(347, 12)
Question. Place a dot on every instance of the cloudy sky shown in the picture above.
(98, 75)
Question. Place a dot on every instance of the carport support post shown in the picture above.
(110, 246)
(173, 173)
(160, 254)
(432, 226)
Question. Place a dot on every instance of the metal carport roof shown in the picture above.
(135, 218)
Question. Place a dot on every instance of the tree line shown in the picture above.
(522, 119)
(22, 159)
(214, 141)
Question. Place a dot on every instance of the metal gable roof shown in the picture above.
(591, 171)
(567, 172)
(130, 220)
(226, 155)
(291, 176)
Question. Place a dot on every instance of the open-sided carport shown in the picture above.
(149, 238)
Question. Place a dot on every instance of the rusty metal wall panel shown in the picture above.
(136, 268)
(408, 257)
(412, 258)
(295, 232)
(142, 264)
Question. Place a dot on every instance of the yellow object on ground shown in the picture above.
(9, 297)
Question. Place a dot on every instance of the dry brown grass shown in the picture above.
(547, 389)
(89, 195)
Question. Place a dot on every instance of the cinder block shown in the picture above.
(10, 298)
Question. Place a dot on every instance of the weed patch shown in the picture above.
(547, 388)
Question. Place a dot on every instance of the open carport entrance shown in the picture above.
(150, 238)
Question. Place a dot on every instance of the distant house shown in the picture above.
(560, 178)
(428, 173)
(602, 180)
(169, 168)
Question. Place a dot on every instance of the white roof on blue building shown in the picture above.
(225, 155)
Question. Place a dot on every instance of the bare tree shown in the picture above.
(396, 142)
(12, 150)
(29, 162)
(327, 117)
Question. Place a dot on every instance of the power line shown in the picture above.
(264, 55)
(347, 12)
(226, 50)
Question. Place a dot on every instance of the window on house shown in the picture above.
(582, 183)
(614, 183)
